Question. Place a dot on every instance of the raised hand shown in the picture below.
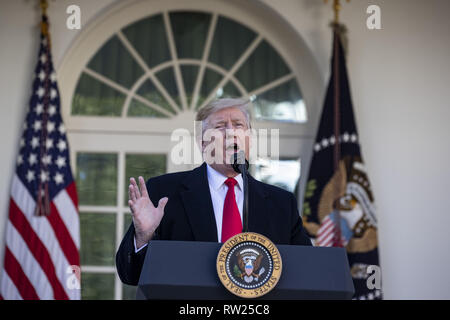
(146, 218)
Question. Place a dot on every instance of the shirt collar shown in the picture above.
(216, 179)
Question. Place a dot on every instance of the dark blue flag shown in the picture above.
(338, 208)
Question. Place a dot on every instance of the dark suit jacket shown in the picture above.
(189, 216)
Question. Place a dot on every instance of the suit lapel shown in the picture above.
(257, 206)
(198, 205)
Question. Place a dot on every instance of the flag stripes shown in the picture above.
(22, 205)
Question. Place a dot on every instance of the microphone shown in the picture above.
(240, 165)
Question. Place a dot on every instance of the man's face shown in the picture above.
(227, 131)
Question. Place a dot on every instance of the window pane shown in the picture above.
(284, 102)
(189, 74)
(97, 238)
(263, 66)
(138, 109)
(94, 98)
(230, 41)
(167, 79)
(97, 178)
(145, 165)
(97, 286)
(189, 31)
(129, 292)
(148, 37)
(210, 80)
(229, 91)
(115, 62)
(281, 173)
(149, 91)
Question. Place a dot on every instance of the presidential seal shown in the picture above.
(249, 265)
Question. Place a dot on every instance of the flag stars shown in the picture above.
(19, 160)
(59, 178)
(42, 195)
(22, 142)
(61, 162)
(40, 92)
(62, 145)
(39, 108)
(50, 127)
(317, 147)
(32, 159)
(346, 137)
(326, 142)
(332, 140)
(41, 75)
(30, 176)
(62, 129)
(37, 125)
(49, 143)
(34, 142)
(53, 76)
(53, 93)
(44, 176)
(47, 159)
(43, 58)
(52, 110)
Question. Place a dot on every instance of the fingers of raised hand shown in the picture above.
(135, 188)
(131, 205)
(143, 187)
(131, 194)
(162, 203)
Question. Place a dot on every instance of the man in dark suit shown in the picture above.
(206, 204)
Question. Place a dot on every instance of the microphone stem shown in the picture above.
(245, 208)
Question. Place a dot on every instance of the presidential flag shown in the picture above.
(42, 232)
(339, 208)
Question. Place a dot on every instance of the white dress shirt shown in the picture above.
(218, 190)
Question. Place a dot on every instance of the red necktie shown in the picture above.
(231, 219)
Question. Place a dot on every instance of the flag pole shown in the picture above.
(43, 196)
(337, 117)
(336, 8)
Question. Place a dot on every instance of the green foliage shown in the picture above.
(310, 188)
(237, 272)
(309, 192)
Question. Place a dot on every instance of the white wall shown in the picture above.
(399, 78)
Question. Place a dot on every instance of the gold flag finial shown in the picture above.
(44, 6)
(336, 9)
(44, 22)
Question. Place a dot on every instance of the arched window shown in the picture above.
(142, 71)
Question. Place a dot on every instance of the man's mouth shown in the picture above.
(232, 147)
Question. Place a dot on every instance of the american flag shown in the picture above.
(329, 233)
(42, 233)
